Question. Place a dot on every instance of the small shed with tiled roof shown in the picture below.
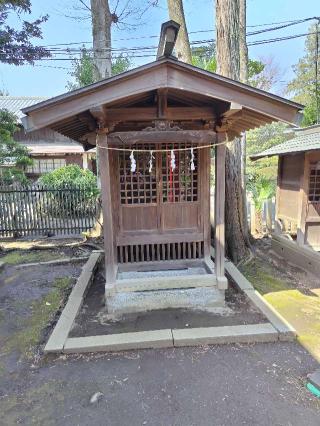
(48, 148)
(298, 188)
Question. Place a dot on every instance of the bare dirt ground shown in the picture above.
(93, 319)
(259, 384)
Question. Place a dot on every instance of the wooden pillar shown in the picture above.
(277, 223)
(219, 215)
(107, 207)
(303, 201)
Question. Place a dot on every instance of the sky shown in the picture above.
(49, 78)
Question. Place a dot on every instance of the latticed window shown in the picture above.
(45, 165)
(139, 187)
(180, 184)
(314, 182)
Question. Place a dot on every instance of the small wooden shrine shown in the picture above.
(155, 127)
(298, 188)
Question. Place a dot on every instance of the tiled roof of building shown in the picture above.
(307, 139)
(14, 104)
(59, 148)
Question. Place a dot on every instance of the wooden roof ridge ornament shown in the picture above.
(168, 36)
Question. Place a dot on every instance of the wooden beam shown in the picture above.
(166, 136)
(162, 103)
(135, 114)
(99, 113)
(108, 226)
(88, 119)
(233, 110)
(219, 215)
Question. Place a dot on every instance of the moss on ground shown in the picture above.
(262, 276)
(42, 312)
(301, 310)
(19, 257)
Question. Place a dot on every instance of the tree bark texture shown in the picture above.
(182, 46)
(101, 34)
(228, 65)
(227, 38)
(243, 52)
(243, 48)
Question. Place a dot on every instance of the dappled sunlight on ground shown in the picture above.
(302, 311)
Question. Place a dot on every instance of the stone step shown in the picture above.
(208, 298)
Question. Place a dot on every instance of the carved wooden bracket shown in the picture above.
(162, 126)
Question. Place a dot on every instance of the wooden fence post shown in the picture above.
(269, 216)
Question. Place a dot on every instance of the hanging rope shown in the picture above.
(192, 166)
(150, 161)
(133, 162)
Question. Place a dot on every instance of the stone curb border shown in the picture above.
(285, 330)
(61, 331)
(304, 257)
(277, 329)
(254, 333)
(53, 262)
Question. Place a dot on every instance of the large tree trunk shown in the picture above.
(243, 48)
(182, 46)
(228, 65)
(101, 34)
(243, 52)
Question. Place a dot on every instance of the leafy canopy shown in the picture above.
(261, 74)
(14, 157)
(15, 44)
(303, 86)
(82, 69)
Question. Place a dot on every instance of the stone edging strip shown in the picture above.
(286, 331)
(53, 262)
(254, 333)
(61, 331)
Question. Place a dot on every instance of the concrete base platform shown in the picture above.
(207, 299)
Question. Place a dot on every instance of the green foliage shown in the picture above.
(71, 177)
(303, 86)
(204, 57)
(120, 65)
(14, 157)
(82, 70)
(262, 189)
(259, 140)
(68, 176)
(258, 74)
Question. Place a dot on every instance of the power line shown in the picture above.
(143, 51)
(283, 24)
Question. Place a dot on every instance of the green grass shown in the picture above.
(42, 312)
(19, 257)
